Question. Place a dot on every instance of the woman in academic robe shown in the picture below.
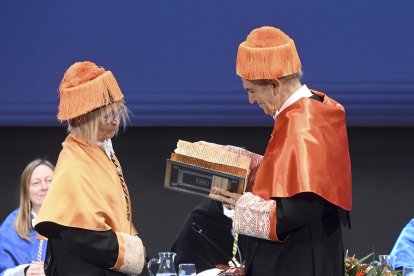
(87, 215)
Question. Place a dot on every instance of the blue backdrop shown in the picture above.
(175, 60)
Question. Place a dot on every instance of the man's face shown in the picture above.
(265, 95)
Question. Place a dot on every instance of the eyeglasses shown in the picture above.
(109, 118)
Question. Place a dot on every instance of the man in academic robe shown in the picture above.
(302, 192)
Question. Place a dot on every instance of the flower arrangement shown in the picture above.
(357, 267)
(230, 271)
(353, 267)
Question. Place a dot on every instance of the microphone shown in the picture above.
(199, 231)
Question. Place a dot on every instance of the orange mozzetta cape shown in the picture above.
(308, 152)
(86, 191)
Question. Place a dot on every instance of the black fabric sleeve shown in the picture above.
(191, 247)
(298, 211)
(25, 269)
(99, 248)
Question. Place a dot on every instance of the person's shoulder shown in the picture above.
(71, 147)
(322, 113)
(408, 230)
(8, 224)
(10, 218)
(72, 156)
(410, 224)
(14, 213)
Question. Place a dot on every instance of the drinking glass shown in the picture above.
(408, 271)
(186, 270)
(389, 260)
(165, 264)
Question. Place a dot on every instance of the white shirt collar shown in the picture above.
(34, 217)
(228, 212)
(302, 92)
(107, 147)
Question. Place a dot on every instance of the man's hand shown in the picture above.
(228, 199)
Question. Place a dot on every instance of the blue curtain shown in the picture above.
(175, 60)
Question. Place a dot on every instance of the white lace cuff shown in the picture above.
(255, 217)
(131, 256)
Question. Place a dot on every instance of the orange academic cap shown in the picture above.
(86, 87)
(267, 53)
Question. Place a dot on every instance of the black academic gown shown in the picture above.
(191, 247)
(80, 252)
(311, 227)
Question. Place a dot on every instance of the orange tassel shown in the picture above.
(267, 53)
(79, 100)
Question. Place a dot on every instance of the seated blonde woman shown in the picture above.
(21, 252)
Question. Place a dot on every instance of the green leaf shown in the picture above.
(354, 270)
(372, 272)
(366, 257)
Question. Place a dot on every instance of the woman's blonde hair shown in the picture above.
(23, 222)
(86, 126)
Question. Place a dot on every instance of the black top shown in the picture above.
(73, 251)
(191, 247)
(313, 244)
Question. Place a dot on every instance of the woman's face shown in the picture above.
(39, 185)
(108, 125)
(264, 95)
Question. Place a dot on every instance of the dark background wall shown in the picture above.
(382, 163)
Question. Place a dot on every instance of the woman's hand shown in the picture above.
(228, 199)
(36, 269)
